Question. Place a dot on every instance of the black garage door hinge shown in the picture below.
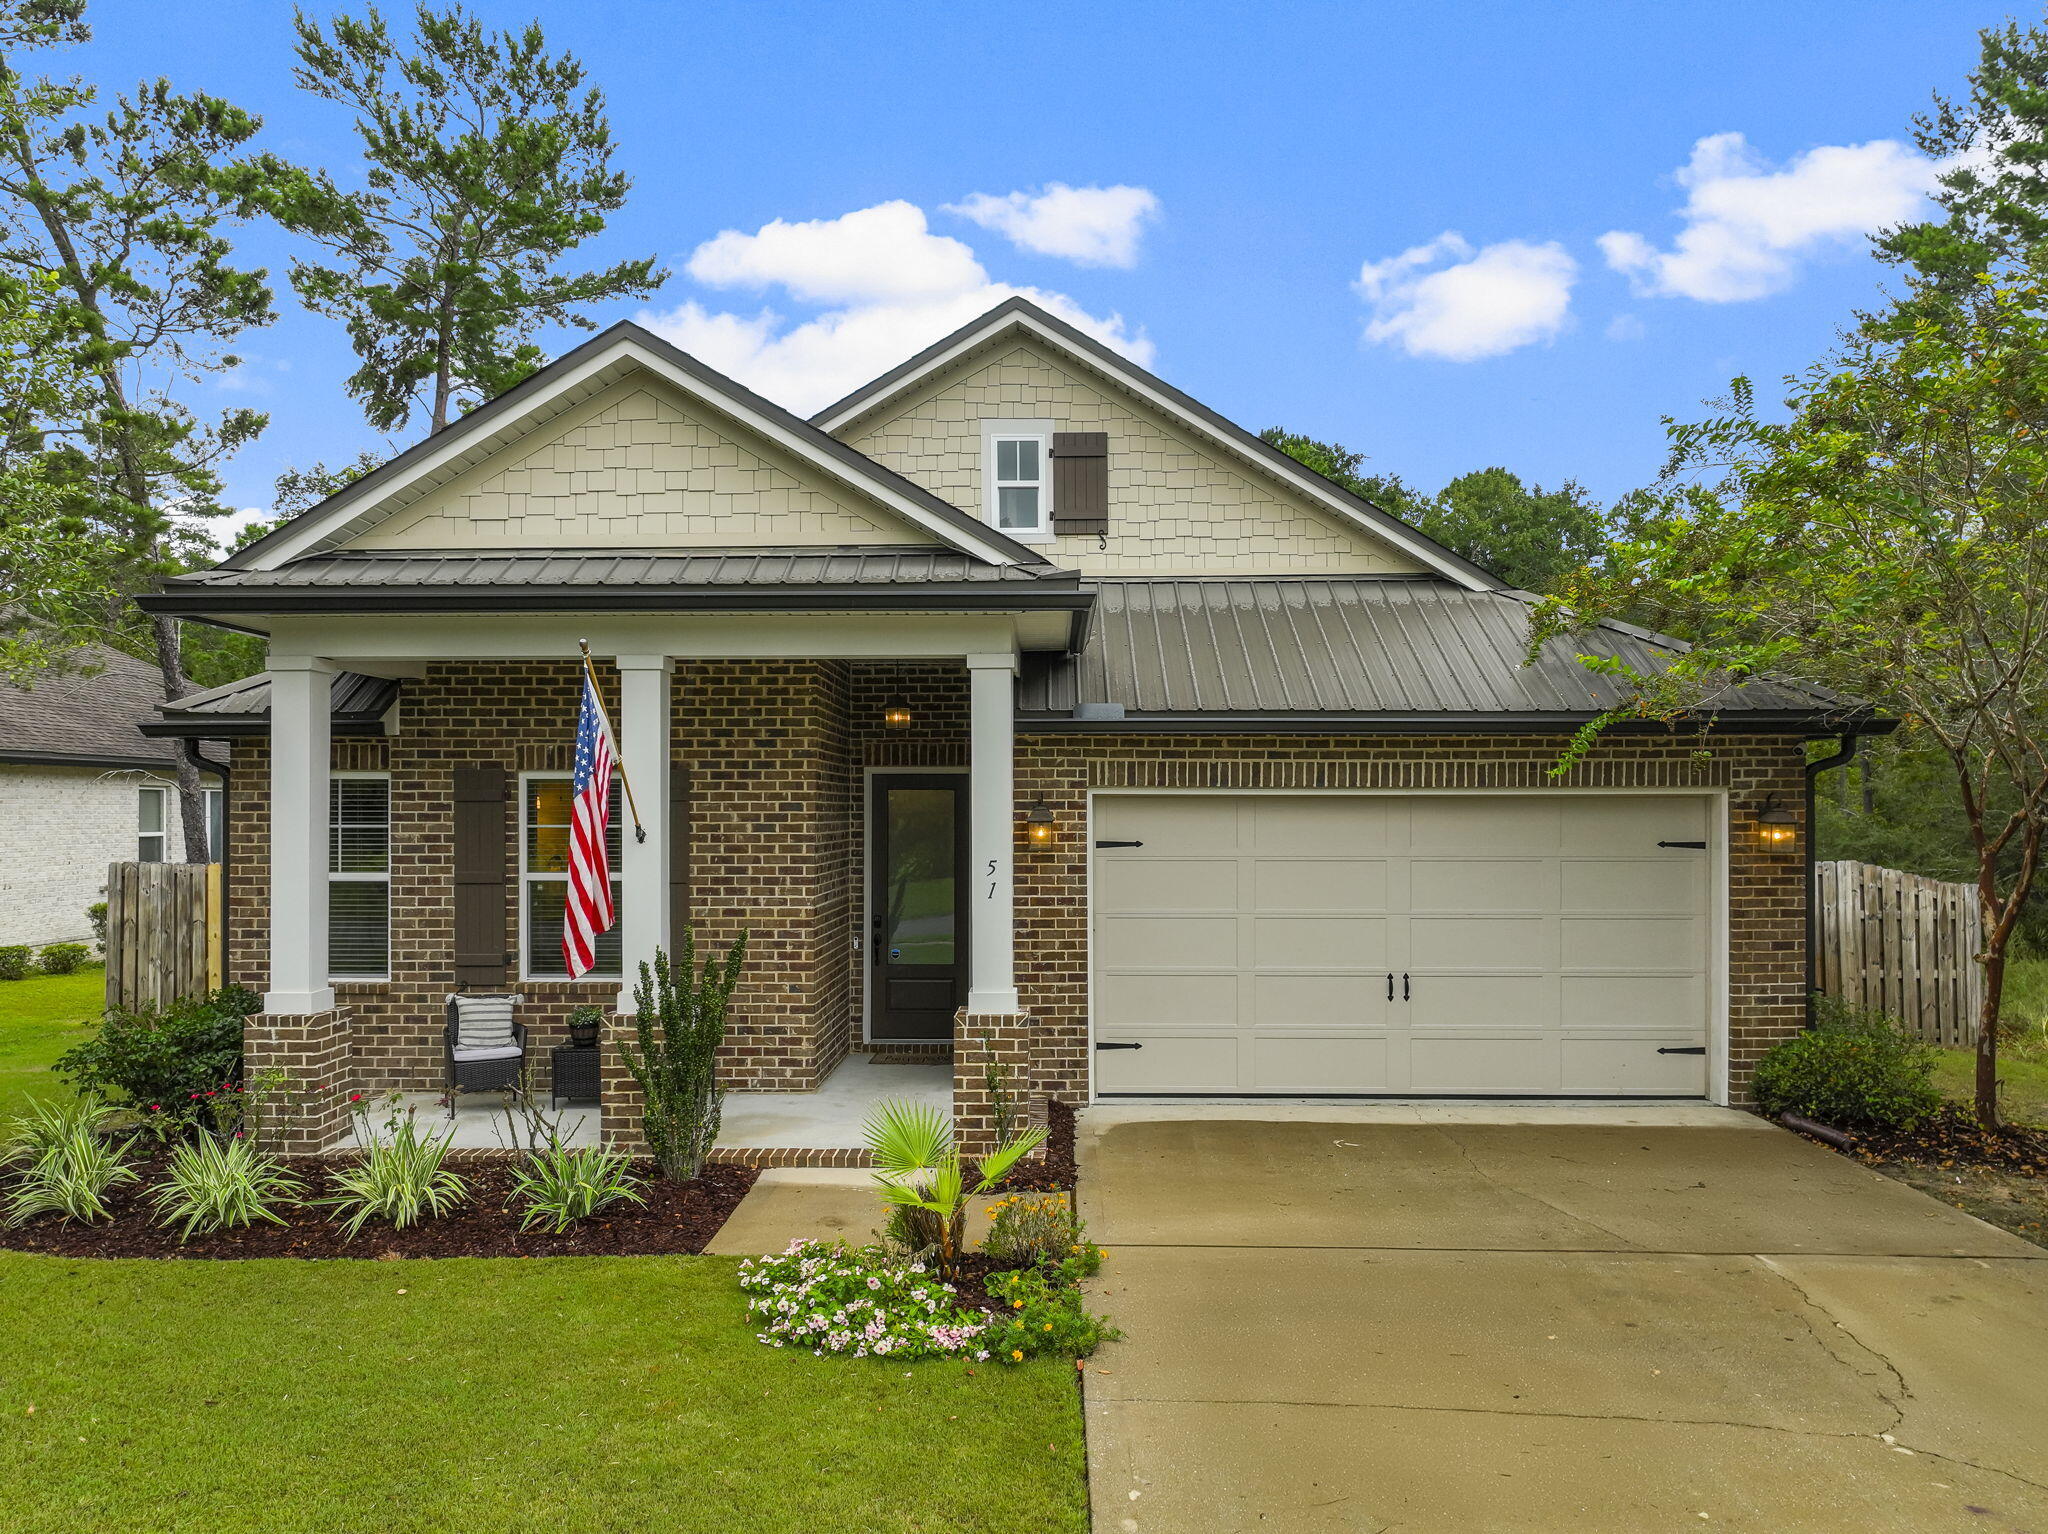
(1119, 844)
(1100, 1045)
(1684, 1049)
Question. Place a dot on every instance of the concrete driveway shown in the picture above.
(1692, 1320)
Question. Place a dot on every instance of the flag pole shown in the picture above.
(618, 756)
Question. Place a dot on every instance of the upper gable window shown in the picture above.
(1016, 477)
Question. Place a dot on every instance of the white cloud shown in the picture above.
(1625, 327)
(1089, 225)
(890, 287)
(1747, 225)
(1483, 304)
(881, 253)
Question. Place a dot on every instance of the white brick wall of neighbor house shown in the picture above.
(59, 829)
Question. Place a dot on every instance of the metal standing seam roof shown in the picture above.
(358, 704)
(1361, 647)
(631, 568)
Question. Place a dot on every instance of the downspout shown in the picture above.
(1845, 753)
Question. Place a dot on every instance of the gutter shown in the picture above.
(1721, 723)
(1844, 753)
(204, 602)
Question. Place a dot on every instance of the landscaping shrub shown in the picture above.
(226, 1184)
(1039, 1230)
(169, 1057)
(1046, 1316)
(561, 1185)
(1854, 1067)
(400, 1179)
(96, 913)
(861, 1301)
(15, 961)
(924, 1177)
(66, 1160)
(678, 1024)
(63, 958)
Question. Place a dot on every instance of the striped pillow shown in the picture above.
(484, 1022)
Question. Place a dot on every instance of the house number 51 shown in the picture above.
(991, 879)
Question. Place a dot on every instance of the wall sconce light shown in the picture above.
(896, 715)
(1038, 825)
(1777, 829)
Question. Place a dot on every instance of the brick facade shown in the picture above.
(778, 752)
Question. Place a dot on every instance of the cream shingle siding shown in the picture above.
(639, 467)
(1176, 506)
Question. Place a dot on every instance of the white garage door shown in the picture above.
(1303, 944)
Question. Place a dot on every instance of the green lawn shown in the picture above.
(40, 1018)
(2022, 1059)
(557, 1395)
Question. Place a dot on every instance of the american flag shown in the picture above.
(588, 910)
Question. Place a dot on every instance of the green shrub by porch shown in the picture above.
(1855, 1068)
(678, 1024)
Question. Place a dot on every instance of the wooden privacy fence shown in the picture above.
(1903, 944)
(163, 932)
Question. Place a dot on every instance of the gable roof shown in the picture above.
(70, 719)
(576, 376)
(1019, 316)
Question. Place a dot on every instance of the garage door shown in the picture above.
(1301, 944)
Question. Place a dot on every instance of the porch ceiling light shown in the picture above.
(896, 715)
(1777, 829)
(1038, 824)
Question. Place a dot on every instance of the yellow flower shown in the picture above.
(1048, 1326)
(1018, 1354)
(1016, 1304)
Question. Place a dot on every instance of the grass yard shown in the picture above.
(558, 1395)
(40, 1018)
(2022, 1060)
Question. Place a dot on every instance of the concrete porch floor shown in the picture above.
(827, 1119)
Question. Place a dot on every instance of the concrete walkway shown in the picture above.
(1357, 1323)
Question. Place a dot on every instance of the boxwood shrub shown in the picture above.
(15, 961)
(1855, 1068)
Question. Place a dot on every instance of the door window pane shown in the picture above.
(920, 920)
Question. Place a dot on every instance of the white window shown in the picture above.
(216, 823)
(544, 813)
(1017, 476)
(359, 876)
(152, 825)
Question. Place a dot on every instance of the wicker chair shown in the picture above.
(494, 1057)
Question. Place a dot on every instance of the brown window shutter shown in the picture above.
(678, 857)
(480, 957)
(1080, 483)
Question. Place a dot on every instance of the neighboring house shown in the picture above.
(1017, 702)
(82, 787)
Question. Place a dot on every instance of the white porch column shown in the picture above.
(300, 732)
(643, 727)
(991, 820)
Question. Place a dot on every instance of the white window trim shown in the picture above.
(163, 820)
(1034, 430)
(361, 878)
(526, 878)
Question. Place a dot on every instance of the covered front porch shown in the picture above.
(762, 777)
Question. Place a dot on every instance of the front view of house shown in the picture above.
(1017, 705)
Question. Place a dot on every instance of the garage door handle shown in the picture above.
(1119, 844)
(1119, 1046)
(1684, 1049)
(1701, 845)
(1390, 985)
(1404, 987)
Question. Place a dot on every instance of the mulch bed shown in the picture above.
(1054, 1171)
(678, 1218)
(1999, 1175)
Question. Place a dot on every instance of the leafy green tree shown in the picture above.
(1887, 540)
(1528, 536)
(486, 162)
(1343, 466)
(124, 211)
(300, 490)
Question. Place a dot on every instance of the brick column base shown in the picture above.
(310, 1112)
(618, 1093)
(1002, 1040)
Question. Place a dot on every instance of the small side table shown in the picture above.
(575, 1074)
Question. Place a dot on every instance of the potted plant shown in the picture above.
(583, 1025)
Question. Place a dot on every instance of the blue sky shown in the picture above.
(1253, 175)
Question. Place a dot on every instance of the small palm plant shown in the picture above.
(68, 1158)
(923, 1175)
(678, 1023)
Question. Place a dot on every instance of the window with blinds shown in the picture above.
(544, 878)
(359, 877)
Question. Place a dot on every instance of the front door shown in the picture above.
(917, 938)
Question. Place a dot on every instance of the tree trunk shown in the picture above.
(1987, 1032)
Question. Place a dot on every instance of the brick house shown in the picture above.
(1017, 705)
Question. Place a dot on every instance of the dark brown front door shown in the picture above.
(917, 930)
